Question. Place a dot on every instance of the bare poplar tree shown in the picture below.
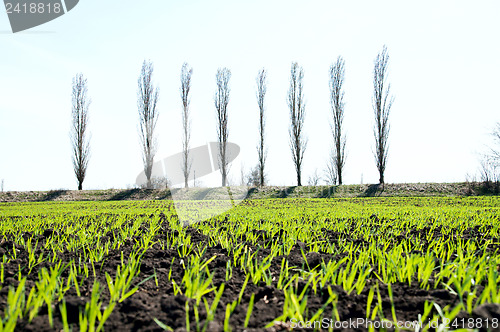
(79, 132)
(382, 103)
(221, 100)
(337, 103)
(148, 116)
(297, 113)
(186, 73)
(261, 150)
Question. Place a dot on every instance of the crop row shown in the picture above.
(310, 255)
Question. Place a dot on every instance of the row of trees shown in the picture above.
(148, 96)
(382, 103)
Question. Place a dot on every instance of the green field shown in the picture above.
(267, 263)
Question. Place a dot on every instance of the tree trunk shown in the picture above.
(299, 183)
(223, 178)
(261, 177)
(79, 186)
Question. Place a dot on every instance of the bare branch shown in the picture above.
(314, 179)
(330, 170)
(495, 151)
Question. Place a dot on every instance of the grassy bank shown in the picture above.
(355, 190)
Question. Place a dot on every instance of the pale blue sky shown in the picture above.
(444, 71)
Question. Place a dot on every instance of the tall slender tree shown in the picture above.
(296, 106)
(186, 73)
(261, 149)
(221, 100)
(148, 116)
(382, 103)
(79, 130)
(337, 103)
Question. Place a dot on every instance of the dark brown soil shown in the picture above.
(137, 313)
